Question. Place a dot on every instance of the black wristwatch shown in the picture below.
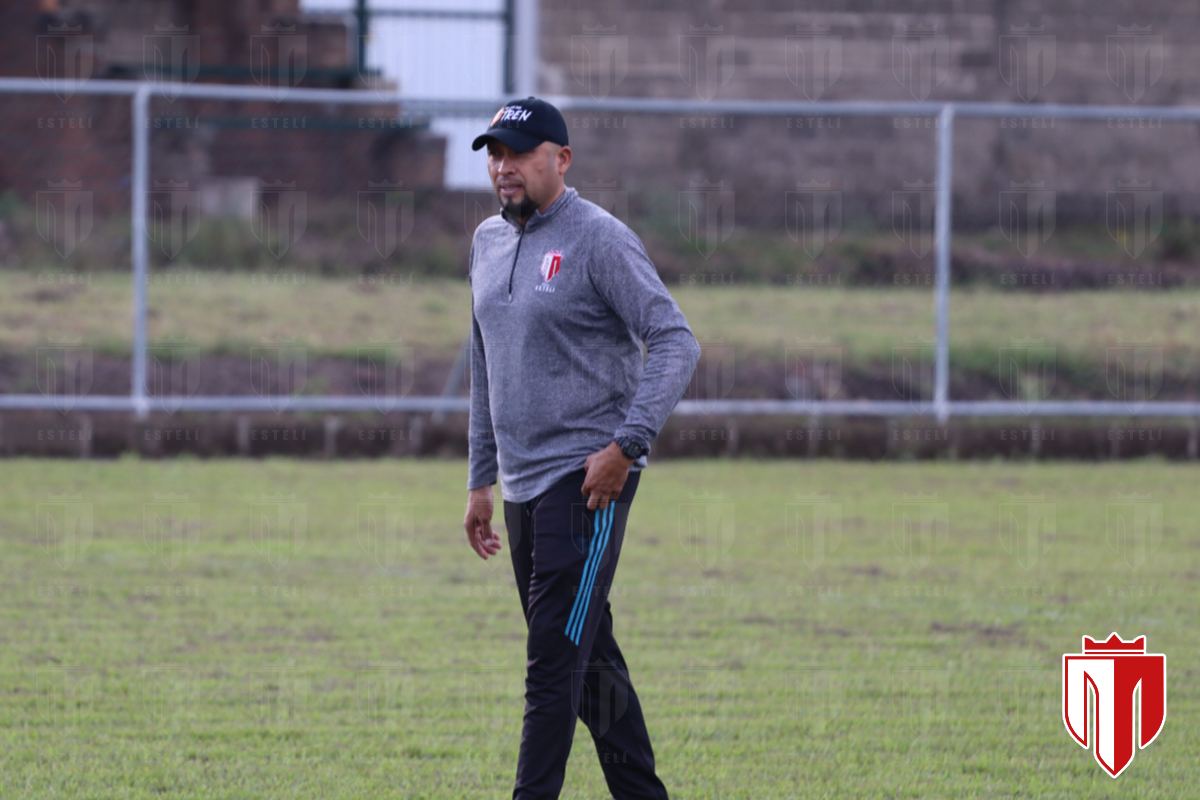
(631, 448)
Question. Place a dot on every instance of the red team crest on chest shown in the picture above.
(551, 262)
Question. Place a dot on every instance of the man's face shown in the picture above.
(526, 181)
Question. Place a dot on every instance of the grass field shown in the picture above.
(217, 660)
(336, 316)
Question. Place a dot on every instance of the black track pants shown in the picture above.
(564, 557)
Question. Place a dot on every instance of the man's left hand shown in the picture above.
(607, 470)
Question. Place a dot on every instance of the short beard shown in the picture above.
(520, 210)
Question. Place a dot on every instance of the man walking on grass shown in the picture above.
(563, 296)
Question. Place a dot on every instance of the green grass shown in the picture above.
(232, 312)
(327, 666)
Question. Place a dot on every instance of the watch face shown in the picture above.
(630, 449)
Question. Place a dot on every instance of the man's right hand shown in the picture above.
(478, 522)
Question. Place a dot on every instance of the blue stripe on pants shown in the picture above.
(606, 519)
(601, 527)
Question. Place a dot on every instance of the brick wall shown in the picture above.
(1017, 51)
(331, 152)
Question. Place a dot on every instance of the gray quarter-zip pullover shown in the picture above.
(559, 313)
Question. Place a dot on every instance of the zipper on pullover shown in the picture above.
(511, 272)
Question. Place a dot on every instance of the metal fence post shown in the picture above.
(945, 151)
(141, 180)
(526, 58)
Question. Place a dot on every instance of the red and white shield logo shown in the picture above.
(1105, 679)
(550, 264)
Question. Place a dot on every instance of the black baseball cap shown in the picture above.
(524, 124)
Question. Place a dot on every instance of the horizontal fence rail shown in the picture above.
(691, 408)
(941, 407)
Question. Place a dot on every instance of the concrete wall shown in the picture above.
(1017, 51)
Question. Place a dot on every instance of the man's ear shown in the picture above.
(563, 157)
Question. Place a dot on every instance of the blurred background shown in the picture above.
(241, 228)
(301, 248)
